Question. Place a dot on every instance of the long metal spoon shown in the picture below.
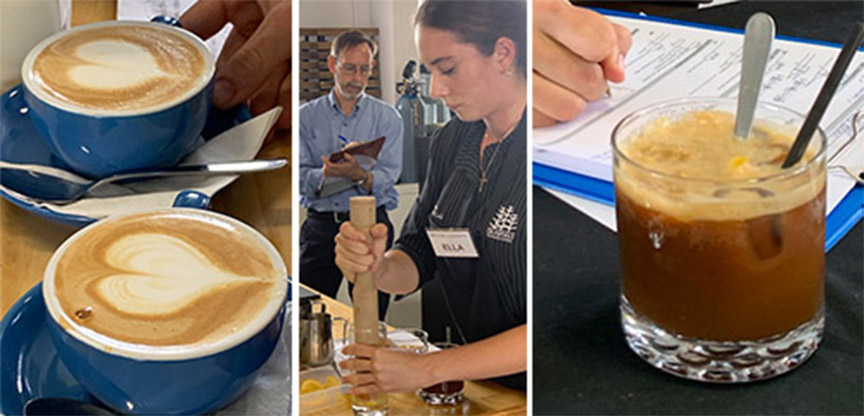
(73, 187)
(758, 35)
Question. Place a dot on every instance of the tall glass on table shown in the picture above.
(367, 404)
(722, 250)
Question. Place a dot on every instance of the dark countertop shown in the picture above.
(582, 364)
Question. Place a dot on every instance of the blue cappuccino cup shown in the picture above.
(140, 378)
(109, 133)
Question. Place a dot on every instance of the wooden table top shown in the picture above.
(481, 397)
(27, 241)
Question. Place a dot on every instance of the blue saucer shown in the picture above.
(29, 365)
(21, 143)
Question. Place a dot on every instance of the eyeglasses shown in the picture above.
(352, 69)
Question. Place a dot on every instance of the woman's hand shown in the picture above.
(576, 53)
(356, 254)
(378, 369)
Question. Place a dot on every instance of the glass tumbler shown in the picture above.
(722, 277)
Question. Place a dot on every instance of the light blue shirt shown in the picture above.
(321, 123)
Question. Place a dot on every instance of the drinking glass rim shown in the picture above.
(782, 174)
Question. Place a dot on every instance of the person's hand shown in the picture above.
(378, 369)
(576, 53)
(349, 168)
(356, 254)
(255, 64)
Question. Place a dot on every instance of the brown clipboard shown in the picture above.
(367, 151)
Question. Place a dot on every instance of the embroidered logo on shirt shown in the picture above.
(503, 226)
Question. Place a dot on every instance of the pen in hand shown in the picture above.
(344, 140)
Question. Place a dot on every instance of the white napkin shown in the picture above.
(239, 143)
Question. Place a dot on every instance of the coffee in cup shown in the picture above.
(118, 96)
(171, 279)
(115, 69)
(146, 306)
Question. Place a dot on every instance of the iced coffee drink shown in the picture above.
(722, 250)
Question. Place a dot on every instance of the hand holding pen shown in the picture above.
(577, 52)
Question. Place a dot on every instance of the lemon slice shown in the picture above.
(311, 385)
(331, 381)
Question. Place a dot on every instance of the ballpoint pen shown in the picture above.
(344, 140)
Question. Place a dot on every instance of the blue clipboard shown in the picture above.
(845, 215)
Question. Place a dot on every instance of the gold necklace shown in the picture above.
(483, 171)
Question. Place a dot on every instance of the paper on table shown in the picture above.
(242, 142)
(604, 214)
(669, 61)
(147, 9)
(715, 3)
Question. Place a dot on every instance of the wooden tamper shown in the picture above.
(365, 292)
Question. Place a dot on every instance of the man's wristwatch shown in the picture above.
(364, 180)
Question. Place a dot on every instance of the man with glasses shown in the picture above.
(346, 114)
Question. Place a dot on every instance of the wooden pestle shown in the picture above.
(365, 292)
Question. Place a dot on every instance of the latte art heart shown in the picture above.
(114, 65)
(119, 68)
(167, 280)
(164, 275)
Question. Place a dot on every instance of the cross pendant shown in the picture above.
(482, 183)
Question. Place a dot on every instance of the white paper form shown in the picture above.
(669, 61)
(716, 3)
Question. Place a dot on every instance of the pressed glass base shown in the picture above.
(440, 399)
(370, 405)
(720, 361)
(365, 411)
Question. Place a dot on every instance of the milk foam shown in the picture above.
(114, 65)
(169, 275)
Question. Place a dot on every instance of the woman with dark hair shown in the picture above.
(474, 193)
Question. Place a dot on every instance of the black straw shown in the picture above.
(825, 96)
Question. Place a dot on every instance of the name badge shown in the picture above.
(452, 242)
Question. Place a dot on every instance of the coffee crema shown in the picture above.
(119, 68)
(167, 280)
(711, 174)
